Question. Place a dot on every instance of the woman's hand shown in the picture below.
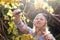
(47, 37)
(16, 15)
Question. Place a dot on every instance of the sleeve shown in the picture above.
(24, 25)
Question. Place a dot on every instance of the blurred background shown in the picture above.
(29, 8)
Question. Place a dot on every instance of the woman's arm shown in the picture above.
(24, 28)
(20, 24)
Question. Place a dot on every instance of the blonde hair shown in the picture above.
(47, 29)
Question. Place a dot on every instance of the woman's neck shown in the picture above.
(40, 32)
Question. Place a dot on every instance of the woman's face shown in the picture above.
(39, 21)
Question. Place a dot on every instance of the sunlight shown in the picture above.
(43, 5)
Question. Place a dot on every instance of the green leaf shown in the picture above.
(6, 11)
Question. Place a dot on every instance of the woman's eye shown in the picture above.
(37, 18)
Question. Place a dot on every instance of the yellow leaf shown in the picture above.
(2, 1)
(7, 6)
(18, 38)
(7, 1)
(10, 24)
(23, 18)
(6, 18)
(10, 13)
(27, 37)
(13, 37)
(9, 30)
(36, 4)
(28, 20)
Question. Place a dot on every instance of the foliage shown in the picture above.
(27, 37)
(8, 29)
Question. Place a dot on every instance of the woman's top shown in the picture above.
(42, 37)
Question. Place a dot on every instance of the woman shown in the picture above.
(40, 29)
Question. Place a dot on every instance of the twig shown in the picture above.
(2, 37)
(3, 29)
